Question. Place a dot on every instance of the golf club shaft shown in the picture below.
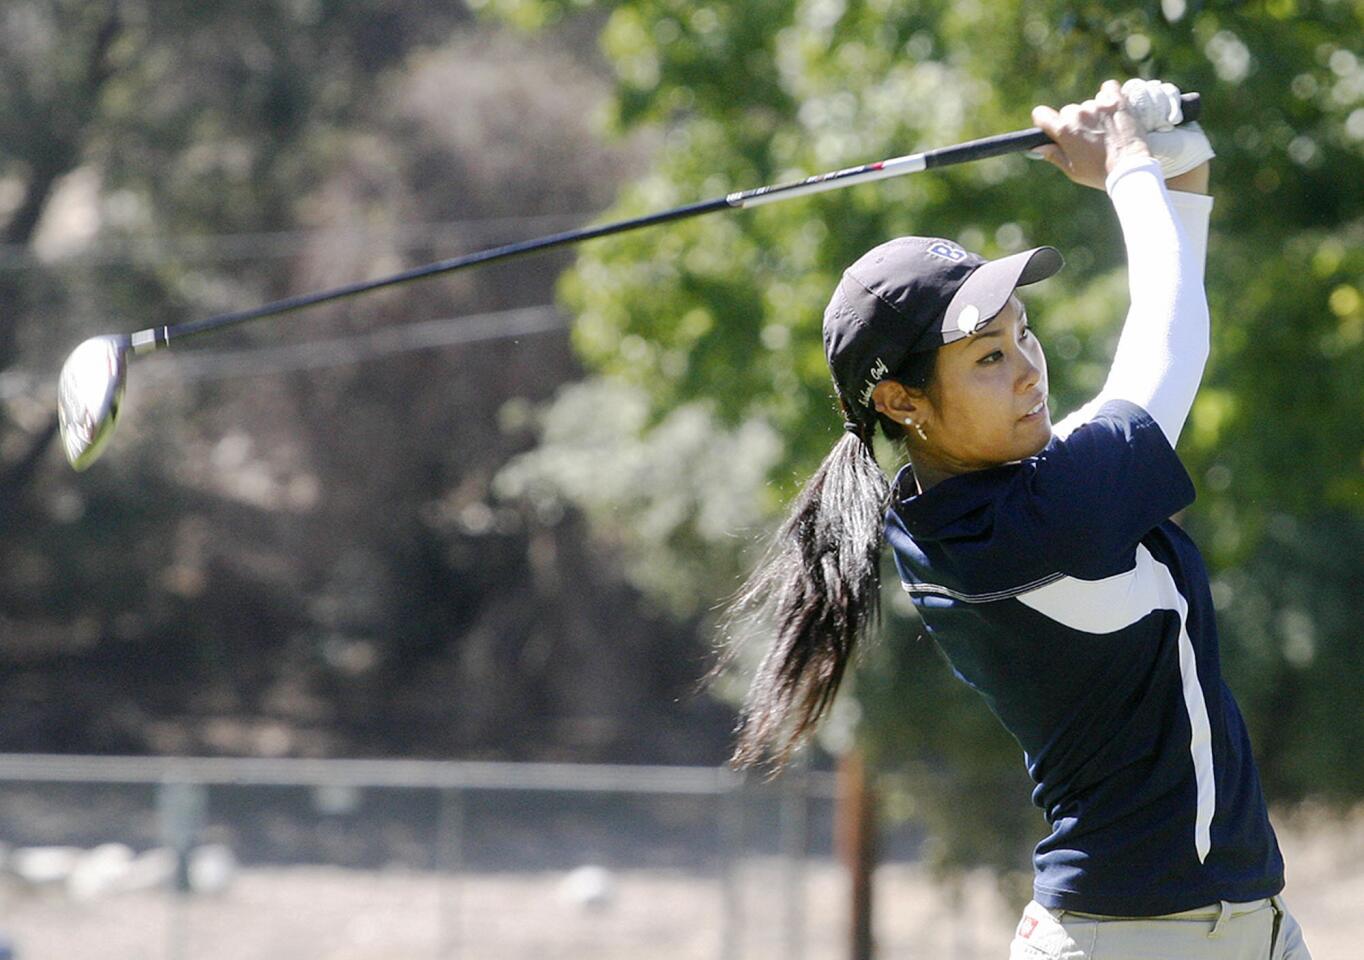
(1019, 140)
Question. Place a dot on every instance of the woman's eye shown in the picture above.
(1025, 334)
(991, 357)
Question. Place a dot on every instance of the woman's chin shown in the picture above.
(1038, 434)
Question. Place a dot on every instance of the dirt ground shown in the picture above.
(331, 913)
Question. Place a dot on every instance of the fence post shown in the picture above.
(449, 864)
(795, 842)
(183, 809)
(732, 839)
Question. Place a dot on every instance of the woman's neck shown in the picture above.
(928, 475)
(930, 470)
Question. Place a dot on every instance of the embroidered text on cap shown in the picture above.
(876, 374)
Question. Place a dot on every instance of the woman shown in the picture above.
(1042, 559)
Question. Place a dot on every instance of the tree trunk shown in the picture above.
(856, 826)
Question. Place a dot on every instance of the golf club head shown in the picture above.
(89, 392)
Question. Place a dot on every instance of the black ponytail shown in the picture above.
(818, 588)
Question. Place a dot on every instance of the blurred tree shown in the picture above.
(310, 561)
(720, 317)
(171, 114)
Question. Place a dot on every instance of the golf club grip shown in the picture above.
(1020, 140)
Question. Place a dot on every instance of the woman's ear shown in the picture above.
(894, 400)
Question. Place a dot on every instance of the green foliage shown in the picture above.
(655, 480)
(1292, 653)
(726, 310)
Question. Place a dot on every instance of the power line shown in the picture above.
(340, 351)
(228, 247)
(318, 354)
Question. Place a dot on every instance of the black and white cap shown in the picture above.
(913, 294)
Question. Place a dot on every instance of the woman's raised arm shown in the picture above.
(1164, 344)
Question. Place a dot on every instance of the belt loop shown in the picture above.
(1275, 903)
(1223, 912)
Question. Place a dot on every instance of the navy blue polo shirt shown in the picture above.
(1060, 591)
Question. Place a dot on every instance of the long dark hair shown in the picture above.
(817, 588)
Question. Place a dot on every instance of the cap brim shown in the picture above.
(987, 290)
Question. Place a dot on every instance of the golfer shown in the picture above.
(1042, 559)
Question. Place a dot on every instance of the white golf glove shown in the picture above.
(1156, 106)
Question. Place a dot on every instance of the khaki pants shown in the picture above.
(1225, 931)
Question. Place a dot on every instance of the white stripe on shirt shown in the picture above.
(1113, 603)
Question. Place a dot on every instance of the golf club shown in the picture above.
(91, 385)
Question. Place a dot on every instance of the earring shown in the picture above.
(918, 428)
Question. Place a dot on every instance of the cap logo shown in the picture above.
(968, 321)
(946, 251)
(875, 375)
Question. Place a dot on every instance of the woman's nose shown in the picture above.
(1031, 371)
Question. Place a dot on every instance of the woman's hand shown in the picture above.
(1182, 148)
(1090, 139)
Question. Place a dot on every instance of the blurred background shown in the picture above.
(481, 525)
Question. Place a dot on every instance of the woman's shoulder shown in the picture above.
(954, 539)
(1078, 507)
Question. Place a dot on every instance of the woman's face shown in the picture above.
(987, 404)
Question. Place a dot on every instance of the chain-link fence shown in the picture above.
(204, 858)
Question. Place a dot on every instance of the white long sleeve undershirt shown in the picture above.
(1165, 339)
